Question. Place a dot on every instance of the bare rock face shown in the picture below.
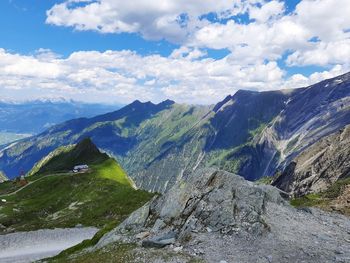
(216, 216)
(3, 178)
(209, 201)
(319, 166)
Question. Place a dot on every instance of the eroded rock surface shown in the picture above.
(319, 166)
(217, 216)
(210, 201)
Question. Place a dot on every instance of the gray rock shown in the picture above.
(210, 200)
(160, 241)
(319, 166)
(249, 223)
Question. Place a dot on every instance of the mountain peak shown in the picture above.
(65, 158)
(166, 103)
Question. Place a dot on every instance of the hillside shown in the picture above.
(254, 134)
(56, 198)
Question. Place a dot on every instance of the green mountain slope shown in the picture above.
(250, 133)
(102, 196)
(85, 152)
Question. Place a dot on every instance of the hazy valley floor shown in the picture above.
(23, 247)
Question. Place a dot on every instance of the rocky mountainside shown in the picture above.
(250, 133)
(317, 111)
(215, 216)
(3, 178)
(318, 167)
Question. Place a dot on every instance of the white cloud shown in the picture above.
(269, 10)
(269, 35)
(322, 53)
(298, 80)
(112, 76)
(170, 19)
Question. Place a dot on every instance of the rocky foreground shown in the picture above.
(216, 216)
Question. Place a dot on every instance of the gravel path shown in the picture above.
(23, 247)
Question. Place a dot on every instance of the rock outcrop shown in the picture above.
(319, 166)
(217, 216)
(210, 201)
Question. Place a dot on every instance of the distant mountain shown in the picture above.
(3, 178)
(36, 116)
(254, 134)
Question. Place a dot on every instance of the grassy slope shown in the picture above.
(101, 197)
(121, 253)
(85, 152)
(327, 199)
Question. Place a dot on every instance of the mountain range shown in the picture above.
(33, 117)
(253, 134)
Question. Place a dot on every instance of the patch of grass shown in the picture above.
(122, 253)
(257, 130)
(307, 200)
(265, 180)
(7, 187)
(325, 198)
(336, 189)
(117, 253)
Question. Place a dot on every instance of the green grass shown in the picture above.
(307, 200)
(257, 130)
(323, 199)
(265, 180)
(64, 200)
(125, 252)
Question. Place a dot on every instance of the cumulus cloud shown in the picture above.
(269, 34)
(317, 32)
(111, 76)
(170, 19)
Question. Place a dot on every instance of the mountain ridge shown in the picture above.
(251, 133)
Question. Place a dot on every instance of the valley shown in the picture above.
(164, 176)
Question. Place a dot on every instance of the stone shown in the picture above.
(158, 225)
(160, 241)
(177, 249)
(210, 200)
(142, 235)
(157, 243)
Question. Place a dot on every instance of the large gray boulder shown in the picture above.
(209, 200)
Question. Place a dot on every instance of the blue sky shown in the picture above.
(190, 51)
(23, 29)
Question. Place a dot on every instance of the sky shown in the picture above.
(190, 51)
